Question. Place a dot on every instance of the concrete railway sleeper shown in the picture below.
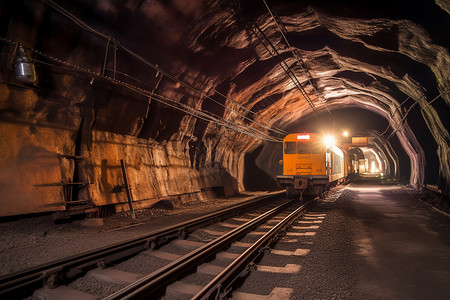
(220, 286)
(165, 283)
(155, 284)
(19, 284)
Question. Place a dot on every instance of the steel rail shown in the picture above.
(153, 283)
(219, 287)
(22, 281)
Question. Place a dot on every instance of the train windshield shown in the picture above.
(289, 148)
(307, 148)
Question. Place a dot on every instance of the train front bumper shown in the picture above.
(300, 182)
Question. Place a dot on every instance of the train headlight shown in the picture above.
(329, 140)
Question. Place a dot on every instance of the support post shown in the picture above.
(127, 188)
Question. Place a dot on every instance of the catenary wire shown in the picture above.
(295, 54)
(82, 24)
(412, 106)
(159, 98)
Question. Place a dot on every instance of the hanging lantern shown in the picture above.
(24, 67)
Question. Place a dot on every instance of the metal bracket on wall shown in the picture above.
(127, 188)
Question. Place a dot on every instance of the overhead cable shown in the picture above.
(257, 31)
(437, 97)
(412, 106)
(83, 25)
(397, 108)
(295, 54)
(261, 36)
(206, 116)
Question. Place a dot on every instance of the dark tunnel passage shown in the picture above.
(255, 179)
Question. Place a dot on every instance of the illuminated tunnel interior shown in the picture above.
(196, 96)
(357, 122)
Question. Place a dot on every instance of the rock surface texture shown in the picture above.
(190, 93)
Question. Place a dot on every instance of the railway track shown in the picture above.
(193, 248)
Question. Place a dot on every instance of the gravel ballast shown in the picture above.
(33, 241)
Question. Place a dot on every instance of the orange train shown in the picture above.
(311, 163)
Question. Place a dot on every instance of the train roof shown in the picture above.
(311, 136)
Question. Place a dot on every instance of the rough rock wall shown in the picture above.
(64, 136)
(155, 171)
(41, 158)
(32, 140)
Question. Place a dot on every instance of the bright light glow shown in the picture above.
(303, 137)
(377, 157)
(329, 140)
(345, 133)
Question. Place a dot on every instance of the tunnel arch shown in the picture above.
(198, 86)
(404, 83)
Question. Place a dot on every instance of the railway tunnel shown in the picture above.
(185, 92)
(112, 106)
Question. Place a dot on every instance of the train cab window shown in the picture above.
(304, 148)
(309, 147)
(317, 148)
(289, 148)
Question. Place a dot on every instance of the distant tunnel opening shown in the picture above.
(357, 121)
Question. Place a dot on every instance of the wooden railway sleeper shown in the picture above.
(144, 287)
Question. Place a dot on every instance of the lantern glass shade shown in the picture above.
(24, 69)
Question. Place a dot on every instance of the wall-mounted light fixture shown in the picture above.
(345, 133)
(23, 66)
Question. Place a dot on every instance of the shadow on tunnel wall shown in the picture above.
(255, 179)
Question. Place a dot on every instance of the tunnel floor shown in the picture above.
(376, 242)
